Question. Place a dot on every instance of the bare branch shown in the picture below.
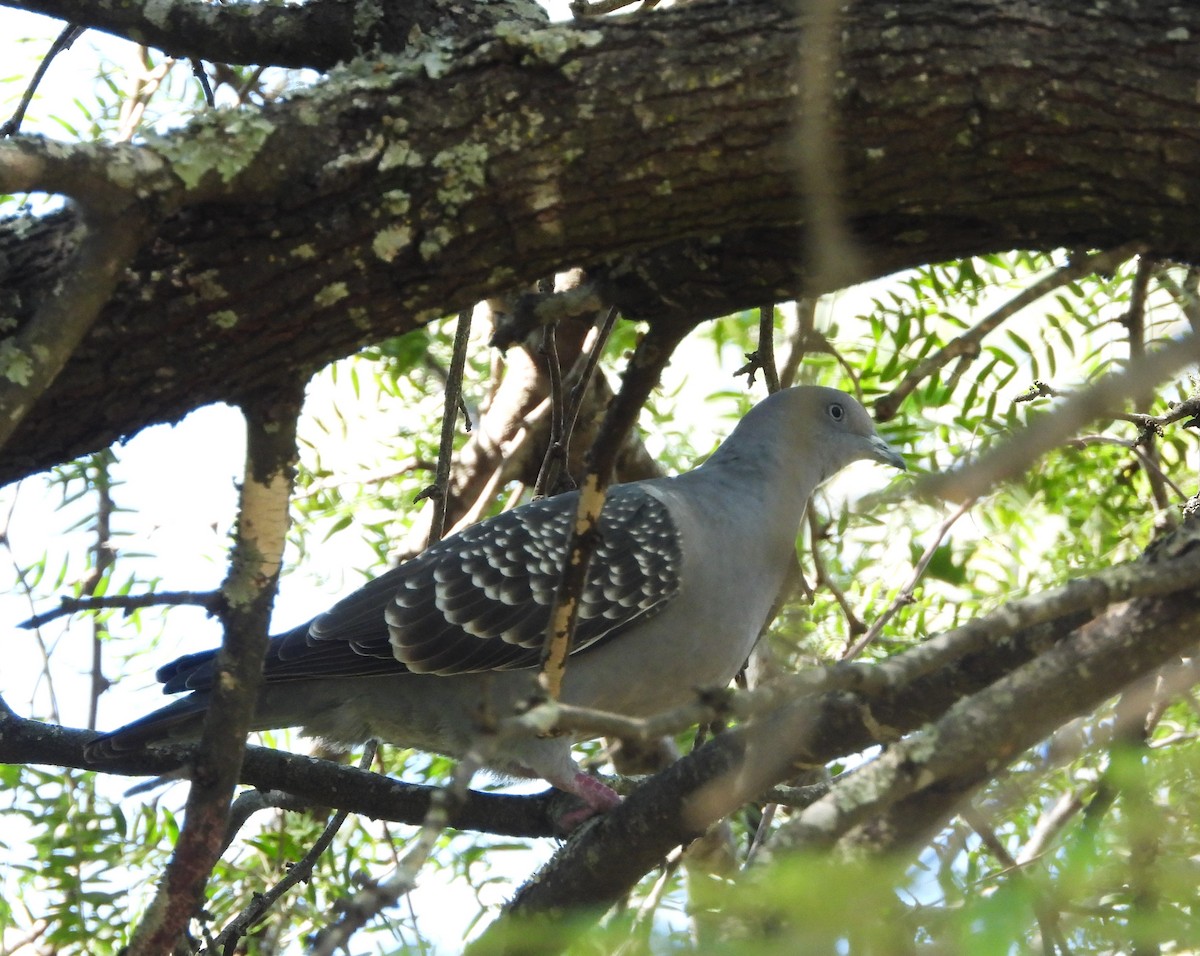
(70, 33)
(641, 375)
(208, 600)
(299, 872)
(453, 394)
(854, 624)
(905, 596)
(763, 357)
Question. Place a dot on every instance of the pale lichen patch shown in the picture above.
(389, 243)
(396, 202)
(224, 143)
(206, 286)
(547, 46)
(464, 167)
(434, 242)
(331, 295)
(364, 155)
(398, 154)
(15, 365)
(158, 12)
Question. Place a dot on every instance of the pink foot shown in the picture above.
(599, 797)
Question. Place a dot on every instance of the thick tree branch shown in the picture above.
(899, 801)
(32, 358)
(317, 34)
(317, 782)
(395, 191)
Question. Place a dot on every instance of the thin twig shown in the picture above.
(70, 33)
(104, 558)
(374, 899)
(760, 832)
(1104, 398)
(226, 942)
(643, 922)
(1185, 294)
(124, 602)
(1151, 464)
(440, 490)
(1135, 319)
(854, 624)
(556, 449)
(766, 346)
(763, 357)
(580, 376)
(905, 597)
(199, 73)
(250, 802)
(1050, 824)
(1047, 919)
(799, 341)
(1135, 322)
(641, 376)
(584, 370)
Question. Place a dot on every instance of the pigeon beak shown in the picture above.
(884, 453)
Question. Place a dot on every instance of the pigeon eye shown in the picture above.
(836, 411)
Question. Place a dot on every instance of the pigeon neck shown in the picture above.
(749, 473)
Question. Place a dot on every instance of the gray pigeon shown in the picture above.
(679, 588)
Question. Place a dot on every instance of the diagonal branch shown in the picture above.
(70, 33)
(31, 359)
(1010, 458)
(641, 376)
(394, 142)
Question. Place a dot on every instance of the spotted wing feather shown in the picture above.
(493, 585)
(480, 600)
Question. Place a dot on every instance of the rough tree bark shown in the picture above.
(404, 187)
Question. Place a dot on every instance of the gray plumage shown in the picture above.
(684, 576)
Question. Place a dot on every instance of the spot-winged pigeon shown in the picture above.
(685, 574)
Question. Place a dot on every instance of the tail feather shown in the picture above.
(180, 719)
(190, 672)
